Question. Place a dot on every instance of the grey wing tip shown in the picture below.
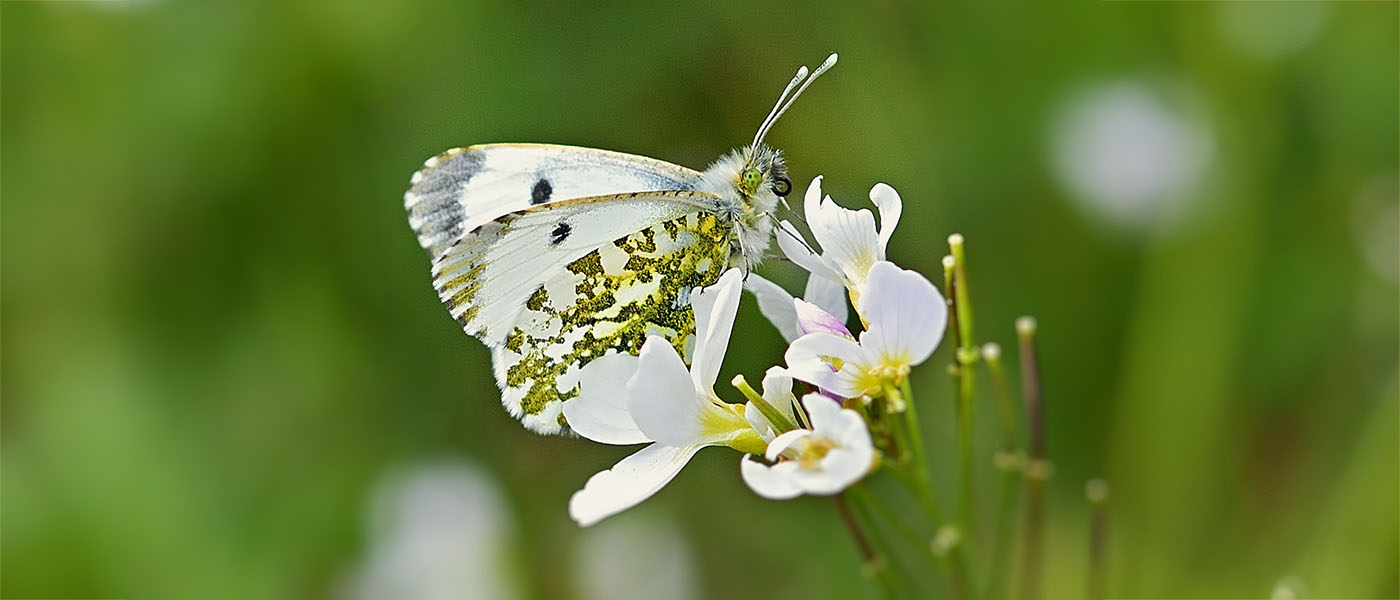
(433, 199)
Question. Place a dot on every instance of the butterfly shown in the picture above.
(554, 256)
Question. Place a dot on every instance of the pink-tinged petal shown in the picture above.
(661, 397)
(714, 307)
(775, 304)
(790, 241)
(809, 359)
(828, 293)
(773, 483)
(812, 319)
(781, 443)
(890, 206)
(629, 482)
(906, 316)
(599, 412)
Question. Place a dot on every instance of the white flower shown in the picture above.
(661, 402)
(849, 242)
(906, 317)
(835, 453)
(777, 305)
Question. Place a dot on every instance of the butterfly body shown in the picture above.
(554, 256)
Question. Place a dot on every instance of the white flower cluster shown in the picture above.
(820, 446)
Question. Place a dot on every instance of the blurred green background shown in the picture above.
(220, 336)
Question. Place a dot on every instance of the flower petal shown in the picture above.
(826, 414)
(841, 425)
(714, 307)
(906, 316)
(782, 442)
(790, 241)
(829, 294)
(775, 304)
(777, 390)
(812, 198)
(840, 468)
(758, 422)
(773, 483)
(848, 240)
(661, 397)
(808, 360)
(599, 412)
(890, 206)
(812, 319)
(630, 481)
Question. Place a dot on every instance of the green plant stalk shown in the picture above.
(959, 580)
(965, 355)
(961, 296)
(998, 569)
(867, 505)
(876, 564)
(770, 412)
(1009, 481)
(965, 451)
(1006, 414)
(1037, 469)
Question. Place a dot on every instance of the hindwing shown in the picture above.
(555, 286)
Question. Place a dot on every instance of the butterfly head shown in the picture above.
(752, 180)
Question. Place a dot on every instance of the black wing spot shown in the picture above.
(540, 193)
(560, 233)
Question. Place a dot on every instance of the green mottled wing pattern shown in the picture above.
(554, 287)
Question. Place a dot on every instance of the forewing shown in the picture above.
(556, 286)
(464, 188)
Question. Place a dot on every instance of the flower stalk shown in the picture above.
(1037, 468)
(1008, 461)
(966, 355)
(770, 412)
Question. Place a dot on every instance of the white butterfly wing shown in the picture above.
(555, 286)
(464, 188)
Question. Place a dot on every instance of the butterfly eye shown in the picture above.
(782, 186)
(750, 179)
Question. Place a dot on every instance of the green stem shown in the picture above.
(1006, 414)
(875, 564)
(965, 450)
(1001, 544)
(962, 297)
(1037, 468)
(966, 355)
(1008, 463)
(770, 412)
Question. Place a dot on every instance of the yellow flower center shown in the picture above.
(812, 452)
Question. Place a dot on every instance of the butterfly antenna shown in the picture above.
(779, 226)
(782, 107)
(796, 215)
(796, 79)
